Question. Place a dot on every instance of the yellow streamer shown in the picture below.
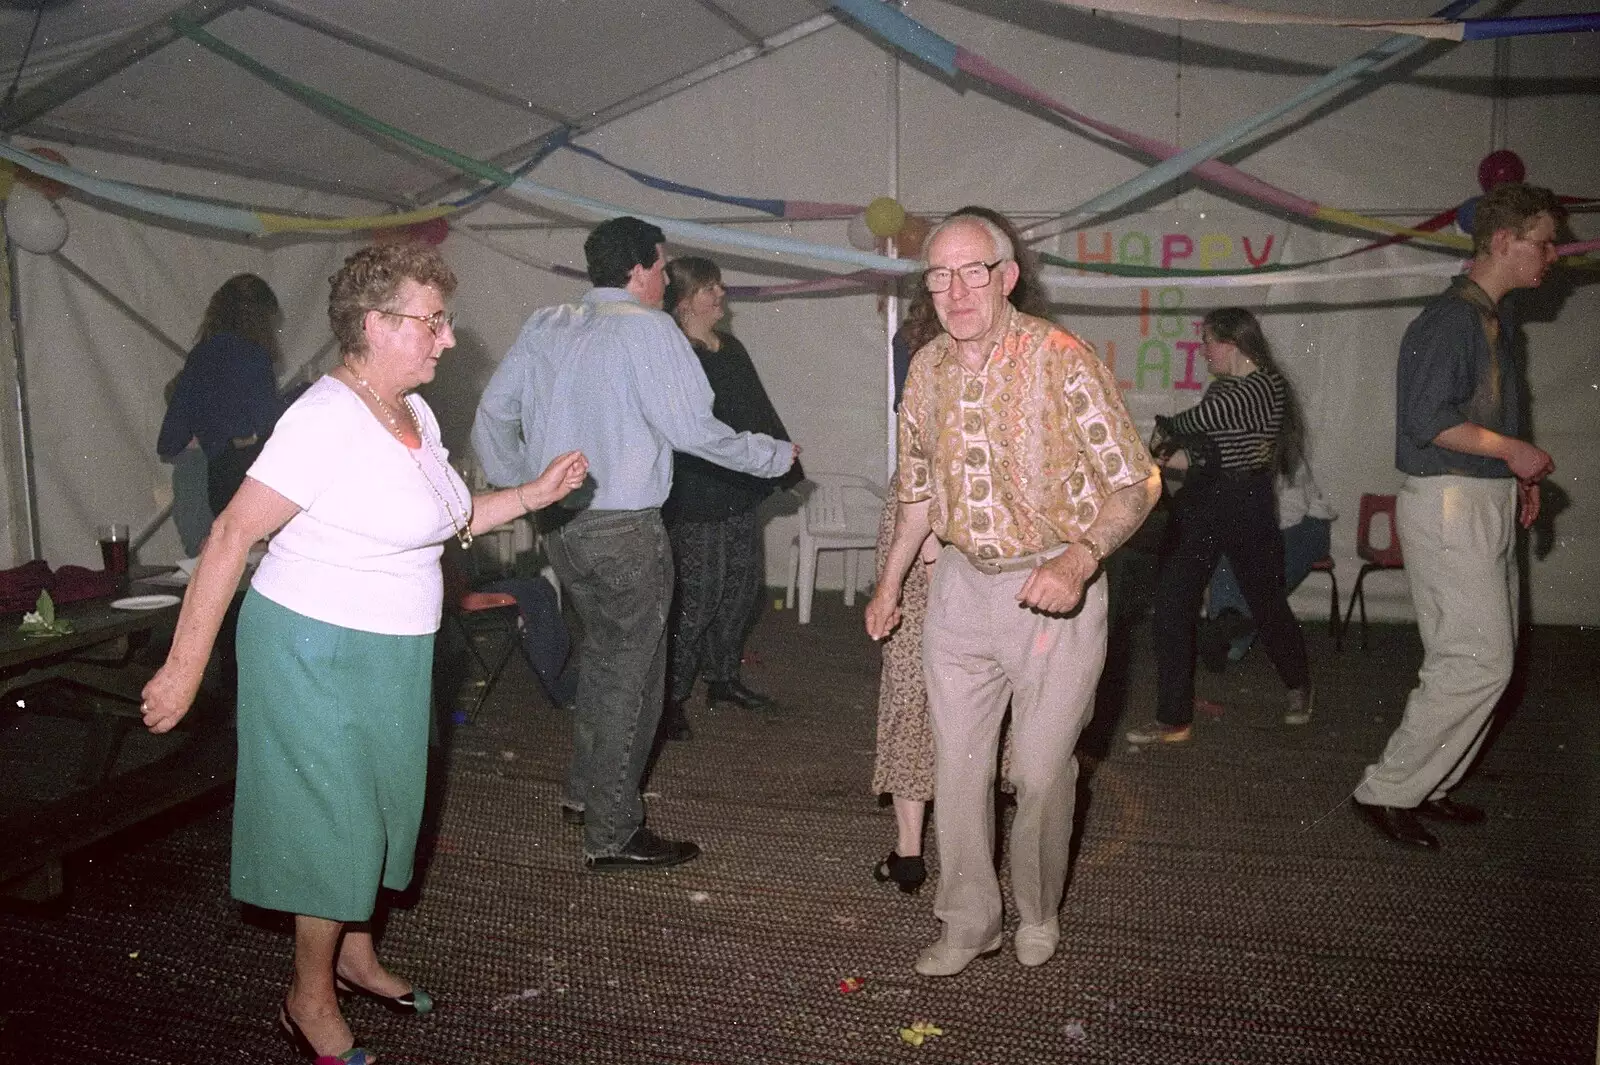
(1360, 221)
(288, 223)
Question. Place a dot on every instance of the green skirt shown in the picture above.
(333, 758)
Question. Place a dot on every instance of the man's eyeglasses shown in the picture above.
(435, 321)
(973, 275)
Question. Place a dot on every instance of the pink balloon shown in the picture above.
(1500, 167)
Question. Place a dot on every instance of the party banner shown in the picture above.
(1149, 336)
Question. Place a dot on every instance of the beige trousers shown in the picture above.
(1459, 538)
(981, 649)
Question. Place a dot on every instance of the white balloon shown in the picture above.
(859, 235)
(34, 223)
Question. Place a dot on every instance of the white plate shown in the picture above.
(146, 602)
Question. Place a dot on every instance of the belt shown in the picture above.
(995, 566)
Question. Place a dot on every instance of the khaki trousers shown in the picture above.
(980, 650)
(1459, 537)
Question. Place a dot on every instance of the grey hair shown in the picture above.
(997, 236)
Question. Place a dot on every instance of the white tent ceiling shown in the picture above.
(488, 79)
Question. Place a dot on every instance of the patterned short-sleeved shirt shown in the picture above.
(1020, 456)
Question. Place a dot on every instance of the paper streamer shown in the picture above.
(694, 232)
(808, 210)
(1215, 145)
(902, 31)
(1438, 28)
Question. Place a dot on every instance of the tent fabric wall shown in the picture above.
(812, 121)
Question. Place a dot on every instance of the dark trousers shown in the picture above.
(720, 575)
(1232, 514)
(225, 473)
(617, 568)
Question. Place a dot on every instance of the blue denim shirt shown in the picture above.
(619, 382)
(1448, 374)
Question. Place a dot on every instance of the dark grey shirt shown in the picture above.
(1449, 373)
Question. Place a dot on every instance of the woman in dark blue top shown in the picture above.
(226, 397)
(1245, 428)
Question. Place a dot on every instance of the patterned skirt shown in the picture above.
(904, 765)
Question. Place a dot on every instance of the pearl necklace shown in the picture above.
(463, 531)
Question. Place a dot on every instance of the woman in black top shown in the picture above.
(711, 513)
(1245, 428)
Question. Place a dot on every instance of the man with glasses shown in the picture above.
(1459, 425)
(615, 377)
(1016, 450)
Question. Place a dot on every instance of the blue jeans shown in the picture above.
(617, 568)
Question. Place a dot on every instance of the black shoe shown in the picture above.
(413, 1003)
(1447, 809)
(1396, 823)
(572, 815)
(907, 873)
(732, 691)
(291, 1031)
(645, 850)
(675, 724)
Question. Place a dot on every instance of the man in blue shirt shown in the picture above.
(613, 377)
(1458, 440)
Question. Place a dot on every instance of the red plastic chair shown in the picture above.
(1325, 565)
(1374, 558)
(487, 623)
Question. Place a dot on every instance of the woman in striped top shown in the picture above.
(1244, 430)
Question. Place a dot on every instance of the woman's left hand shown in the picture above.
(564, 474)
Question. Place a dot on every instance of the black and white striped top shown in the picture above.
(1241, 415)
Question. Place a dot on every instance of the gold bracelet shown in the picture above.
(1093, 549)
(525, 508)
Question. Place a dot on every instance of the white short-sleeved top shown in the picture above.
(363, 552)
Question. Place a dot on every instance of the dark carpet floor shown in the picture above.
(1225, 906)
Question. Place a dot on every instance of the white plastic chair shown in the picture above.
(840, 514)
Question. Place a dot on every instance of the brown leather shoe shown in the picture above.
(1447, 809)
(1396, 823)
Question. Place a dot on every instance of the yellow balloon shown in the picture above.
(885, 216)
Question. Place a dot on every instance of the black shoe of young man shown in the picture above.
(732, 691)
(645, 850)
(675, 724)
(1447, 809)
(1396, 823)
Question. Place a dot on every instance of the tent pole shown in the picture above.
(24, 430)
(891, 304)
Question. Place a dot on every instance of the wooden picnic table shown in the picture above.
(100, 676)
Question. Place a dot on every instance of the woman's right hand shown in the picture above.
(564, 474)
(168, 697)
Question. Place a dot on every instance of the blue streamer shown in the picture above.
(902, 31)
(767, 206)
(556, 138)
(1482, 29)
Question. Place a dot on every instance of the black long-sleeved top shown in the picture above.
(704, 491)
(1240, 415)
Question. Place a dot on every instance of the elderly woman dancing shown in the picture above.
(336, 635)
